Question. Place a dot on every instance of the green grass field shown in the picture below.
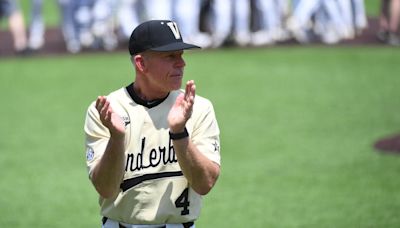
(298, 126)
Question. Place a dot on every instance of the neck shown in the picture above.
(139, 100)
(147, 93)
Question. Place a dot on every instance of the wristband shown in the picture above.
(177, 136)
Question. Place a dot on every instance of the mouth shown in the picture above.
(179, 75)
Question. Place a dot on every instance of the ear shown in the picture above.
(139, 62)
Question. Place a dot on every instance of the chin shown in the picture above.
(176, 85)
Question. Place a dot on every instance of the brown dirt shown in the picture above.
(390, 144)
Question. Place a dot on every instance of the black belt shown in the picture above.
(185, 225)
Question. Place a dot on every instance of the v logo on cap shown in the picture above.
(175, 30)
(157, 35)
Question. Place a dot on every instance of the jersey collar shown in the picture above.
(139, 100)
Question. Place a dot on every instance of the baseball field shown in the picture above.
(298, 125)
(298, 129)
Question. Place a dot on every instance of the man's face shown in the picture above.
(164, 70)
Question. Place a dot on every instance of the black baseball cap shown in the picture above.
(157, 35)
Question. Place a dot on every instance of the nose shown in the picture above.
(180, 62)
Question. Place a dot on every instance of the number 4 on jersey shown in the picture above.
(183, 201)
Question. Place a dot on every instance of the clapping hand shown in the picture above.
(181, 111)
(109, 118)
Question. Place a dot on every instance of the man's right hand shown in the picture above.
(109, 118)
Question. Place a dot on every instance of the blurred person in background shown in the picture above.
(83, 20)
(242, 14)
(360, 17)
(104, 24)
(37, 26)
(89, 24)
(69, 26)
(11, 10)
(353, 14)
(131, 13)
(158, 9)
(220, 21)
(272, 14)
(188, 14)
(128, 17)
(334, 27)
(389, 22)
(318, 19)
(299, 22)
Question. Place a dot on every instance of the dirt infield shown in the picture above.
(54, 43)
(390, 144)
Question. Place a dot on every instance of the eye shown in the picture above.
(172, 56)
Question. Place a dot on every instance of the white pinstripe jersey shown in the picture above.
(154, 190)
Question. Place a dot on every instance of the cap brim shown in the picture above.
(175, 47)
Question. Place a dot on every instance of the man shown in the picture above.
(36, 26)
(188, 14)
(12, 11)
(389, 20)
(270, 22)
(69, 25)
(152, 149)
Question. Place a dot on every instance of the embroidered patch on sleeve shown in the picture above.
(89, 154)
(126, 120)
(216, 146)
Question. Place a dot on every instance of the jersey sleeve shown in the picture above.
(96, 137)
(206, 132)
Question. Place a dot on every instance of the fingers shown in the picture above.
(104, 108)
(188, 88)
(100, 102)
(190, 91)
(109, 118)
